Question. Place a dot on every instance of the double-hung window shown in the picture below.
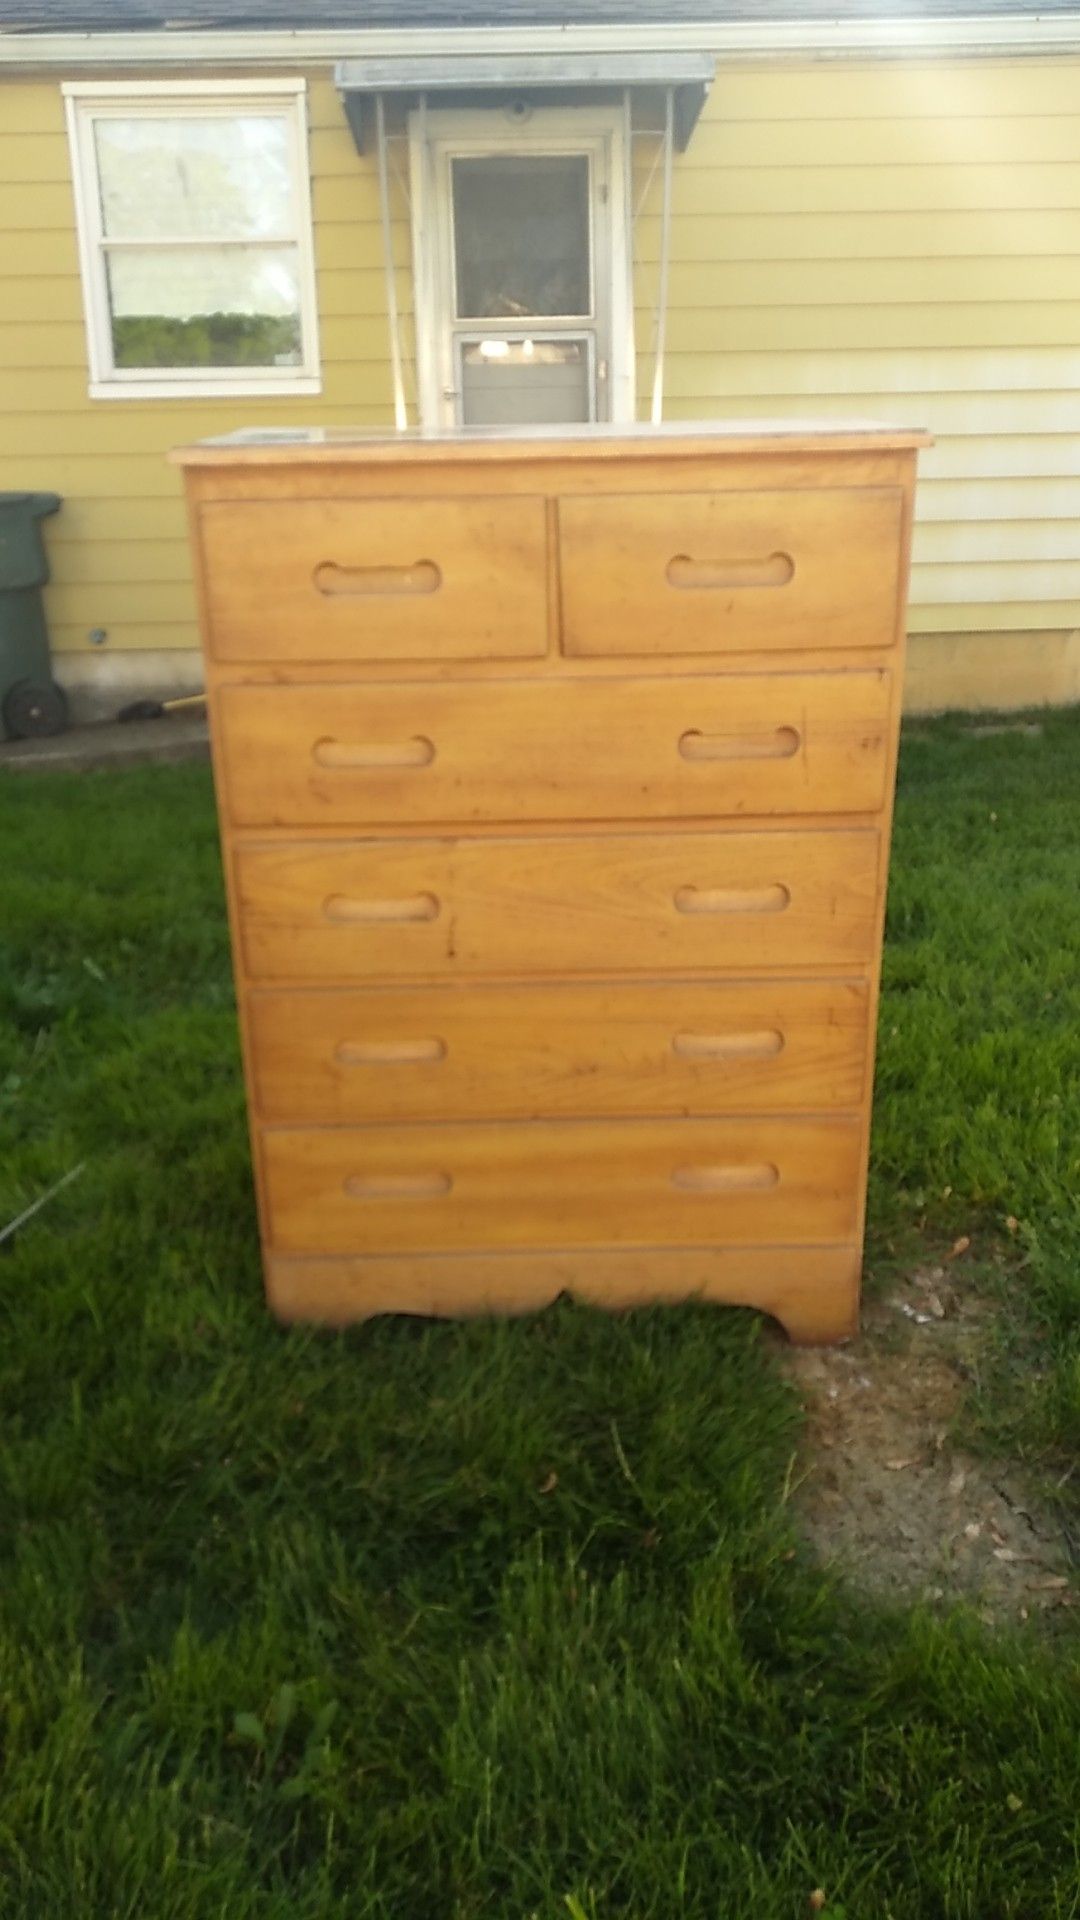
(194, 224)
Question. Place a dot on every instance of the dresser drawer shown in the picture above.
(410, 579)
(545, 750)
(335, 1058)
(691, 573)
(561, 1184)
(367, 910)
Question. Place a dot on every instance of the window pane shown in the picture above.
(185, 178)
(521, 235)
(205, 307)
(515, 383)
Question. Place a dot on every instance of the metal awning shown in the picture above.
(688, 75)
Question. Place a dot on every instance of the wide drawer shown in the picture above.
(561, 1184)
(368, 910)
(335, 1057)
(438, 579)
(717, 573)
(543, 750)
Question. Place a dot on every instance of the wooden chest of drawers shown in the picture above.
(555, 777)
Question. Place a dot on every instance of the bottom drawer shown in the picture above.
(561, 1184)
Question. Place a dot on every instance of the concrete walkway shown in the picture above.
(110, 744)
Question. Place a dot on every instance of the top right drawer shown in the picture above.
(693, 573)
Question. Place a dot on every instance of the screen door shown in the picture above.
(522, 293)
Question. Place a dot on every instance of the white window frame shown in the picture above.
(85, 102)
(436, 139)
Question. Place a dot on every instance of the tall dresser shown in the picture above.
(555, 777)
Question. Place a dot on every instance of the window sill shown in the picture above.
(304, 384)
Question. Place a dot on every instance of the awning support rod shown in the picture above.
(657, 411)
(401, 418)
(625, 398)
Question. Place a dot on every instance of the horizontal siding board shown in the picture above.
(131, 636)
(892, 140)
(947, 416)
(32, 251)
(952, 542)
(873, 190)
(120, 561)
(776, 234)
(875, 282)
(994, 582)
(117, 521)
(918, 374)
(1051, 323)
(982, 501)
(1022, 616)
(33, 107)
(940, 89)
(1056, 457)
(154, 602)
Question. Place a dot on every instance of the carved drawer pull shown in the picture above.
(755, 1178)
(388, 1053)
(732, 899)
(780, 744)
(398, 1186)
(417, 752)
(343, 911)
(336, 582)
(771, 570)
(764, 1045)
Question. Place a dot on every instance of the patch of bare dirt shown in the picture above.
(886, 1498)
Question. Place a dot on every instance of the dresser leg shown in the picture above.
(820, 1319)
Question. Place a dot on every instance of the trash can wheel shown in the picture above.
(34, 709)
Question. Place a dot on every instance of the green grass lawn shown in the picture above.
(434, 1622)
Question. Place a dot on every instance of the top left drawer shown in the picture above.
(389, 579)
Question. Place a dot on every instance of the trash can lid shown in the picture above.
(35, 504)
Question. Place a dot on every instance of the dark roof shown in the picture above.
(101, 16)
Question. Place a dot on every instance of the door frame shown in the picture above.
(438, 137)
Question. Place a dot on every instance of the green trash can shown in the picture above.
(31, 703)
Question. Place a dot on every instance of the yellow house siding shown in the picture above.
(890, 240)
(898, 242)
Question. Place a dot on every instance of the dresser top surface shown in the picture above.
(303, 446)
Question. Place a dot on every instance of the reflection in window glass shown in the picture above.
(205, 307)
(513, 383)
(521, 235)
(213, 175)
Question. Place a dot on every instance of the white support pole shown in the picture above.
(657, 411)
(624, 399)
(401, 418)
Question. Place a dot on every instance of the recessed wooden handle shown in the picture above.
(731, 899)
(417, 752)
(754, 1178)
(388, 1053)
(770, 570)
(423, 576)
(397, 1186)
(780, 744)
(417, 906)
(763, 1045)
